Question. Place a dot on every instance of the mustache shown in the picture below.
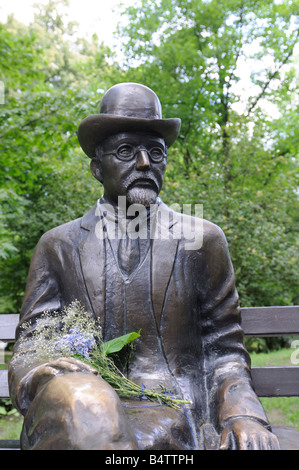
(148, 177)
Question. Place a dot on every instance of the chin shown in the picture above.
(144, 196)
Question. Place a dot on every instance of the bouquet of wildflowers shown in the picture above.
(75, 333)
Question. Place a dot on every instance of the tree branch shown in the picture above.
(28, 123)
(240, 47)
(272, 76)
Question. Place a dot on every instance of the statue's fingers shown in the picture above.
(269, 442)
(254, 443)
(71, 364)
(39, 377)
(275, 443)
(226, 440)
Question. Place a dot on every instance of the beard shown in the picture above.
(143, 196)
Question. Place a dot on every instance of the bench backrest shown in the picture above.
(256, 322)
(273, 321)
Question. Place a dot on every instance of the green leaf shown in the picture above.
(116, 344)
(13, 412)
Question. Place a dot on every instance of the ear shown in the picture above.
(95, 167)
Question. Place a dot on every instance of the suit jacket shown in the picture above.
(195, 305)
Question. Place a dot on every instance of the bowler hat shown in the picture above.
(126, 107)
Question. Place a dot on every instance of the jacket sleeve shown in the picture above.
(42, 294)
(227, 362)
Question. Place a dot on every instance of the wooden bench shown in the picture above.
(268, 381)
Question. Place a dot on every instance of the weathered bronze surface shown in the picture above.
(182, 297)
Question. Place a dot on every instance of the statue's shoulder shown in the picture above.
(209, 231)
(69, 232)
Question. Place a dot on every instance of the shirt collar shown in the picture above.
(117, 223)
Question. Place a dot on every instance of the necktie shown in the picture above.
(128, 254)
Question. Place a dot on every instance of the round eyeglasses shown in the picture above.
(127, 152)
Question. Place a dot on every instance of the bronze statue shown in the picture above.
(184, 300)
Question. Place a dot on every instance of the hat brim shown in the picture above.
(95, 128)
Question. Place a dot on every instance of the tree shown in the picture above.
(44, 176)
(242, 166)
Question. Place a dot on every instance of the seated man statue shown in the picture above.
(180, 293)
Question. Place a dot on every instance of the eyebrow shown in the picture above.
(127, 140)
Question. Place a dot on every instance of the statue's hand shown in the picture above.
(247, 434)
(49, 370)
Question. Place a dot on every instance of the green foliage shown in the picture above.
(266, 345)
(243, 167)
(44, 176)
(116, 344)
(6, 408)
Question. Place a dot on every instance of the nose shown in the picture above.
(142, 160)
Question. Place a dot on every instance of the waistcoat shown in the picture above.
(128, 307)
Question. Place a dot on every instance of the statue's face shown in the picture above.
(132, 165)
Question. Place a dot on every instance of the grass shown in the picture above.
(281, 411)
(10, 426)
(282, 357)
(11, 421)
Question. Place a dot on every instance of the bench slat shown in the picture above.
(270, 321)
(256, 321)
(276, 381)
(8, 323)
(267, 381)
(9, 444)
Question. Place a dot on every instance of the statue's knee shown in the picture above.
(79, 411)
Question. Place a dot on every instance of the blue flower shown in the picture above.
(76, 342)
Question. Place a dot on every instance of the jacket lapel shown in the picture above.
(92, 257)
(163, 256)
